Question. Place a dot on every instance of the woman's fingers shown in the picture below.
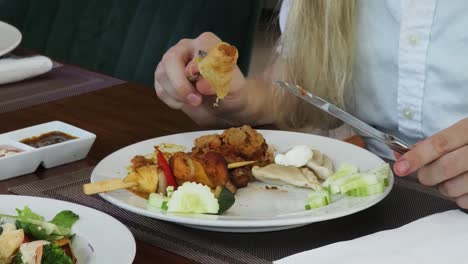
(201, 84)
(204, 87)
(455, 187)
(174, 65)
(446, 167)
(433, 148)
(396, 155)
(192, 72)
(164, 96)
(462, 201)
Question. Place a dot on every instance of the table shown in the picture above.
(119, 116)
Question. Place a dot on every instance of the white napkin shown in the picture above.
(439, 238)
(17, 69)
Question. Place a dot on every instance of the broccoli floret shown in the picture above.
(17, 259)
(53, 254)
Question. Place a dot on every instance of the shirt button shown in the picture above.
(412, 39)
(407, 113)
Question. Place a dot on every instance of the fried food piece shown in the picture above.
(209, 169)
(247, 141)
(140, 161)
(241, 177)
(236, 145)
(187, 169)
(217, 67)
(10, 241)
(213, 143)
(215, 167)
(147, 178)
(206, 143)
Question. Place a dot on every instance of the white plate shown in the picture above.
(256, 209)
(10, 38)
(99, 237)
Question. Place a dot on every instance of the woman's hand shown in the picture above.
(442, 160)
(195, 99)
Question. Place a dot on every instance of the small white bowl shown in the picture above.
(60, 153)
(20, 163)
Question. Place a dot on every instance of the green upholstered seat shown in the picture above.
(126, 38)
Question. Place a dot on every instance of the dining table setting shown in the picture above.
(65, 128)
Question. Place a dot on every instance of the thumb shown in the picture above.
(202, 85)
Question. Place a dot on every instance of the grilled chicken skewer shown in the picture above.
(146, 182)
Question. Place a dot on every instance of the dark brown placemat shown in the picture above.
(61, 82)
(401, 206)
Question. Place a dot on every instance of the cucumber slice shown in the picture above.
(344, 170)
(225, 200)
(157, 201)
(382, 172)
(317, 199)
(334, 187)
(368, 190)
(357, 181)
(347, 180)
(193, 198)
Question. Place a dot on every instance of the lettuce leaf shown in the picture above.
(65, 219)
(37, 228)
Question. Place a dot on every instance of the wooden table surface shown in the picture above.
(119, 116)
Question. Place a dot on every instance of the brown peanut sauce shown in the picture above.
(47, 139)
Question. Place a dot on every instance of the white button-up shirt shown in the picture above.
(411, 69)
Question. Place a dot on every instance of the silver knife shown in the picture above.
(391, 141)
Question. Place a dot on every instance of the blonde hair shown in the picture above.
(317, 52)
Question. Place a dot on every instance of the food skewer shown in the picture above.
(107, 186)
(239, 164)
(117, 183)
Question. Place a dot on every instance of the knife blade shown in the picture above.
(391, 141)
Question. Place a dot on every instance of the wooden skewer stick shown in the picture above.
(117, 184)
(106, 186)
(239, 164)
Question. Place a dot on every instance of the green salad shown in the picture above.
(29, 238)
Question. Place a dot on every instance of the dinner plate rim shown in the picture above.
(238, 223)
(124, 234)
(14, 43)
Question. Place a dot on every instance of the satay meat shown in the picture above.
(235, 145)
(209, 169)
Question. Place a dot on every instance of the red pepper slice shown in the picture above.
(166, 169)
